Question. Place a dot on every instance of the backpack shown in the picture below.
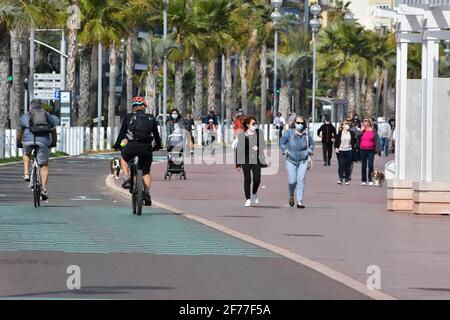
(39, 124)
(140, 127)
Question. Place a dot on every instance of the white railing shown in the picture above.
(77, 140)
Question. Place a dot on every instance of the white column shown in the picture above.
(88, 139)
(266, 134)
(72, 141)
(65, 135)
(2, 144)
(401, 109)
(58, 139)
(95, 139)
(13, 143)
(102, 139)
(430, 57)
(219, 133)
(82, 139)
(199, 135)
(116, 134)
(108, 138)
(7, 143)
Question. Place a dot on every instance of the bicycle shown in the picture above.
(35, 178)
(137, 186)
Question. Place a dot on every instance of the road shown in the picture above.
(158, 255)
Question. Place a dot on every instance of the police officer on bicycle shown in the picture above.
(137, 133)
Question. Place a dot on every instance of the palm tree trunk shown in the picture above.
(93, 83)
(358, 90)
(16, 93)
(85, 83)
(228, 86)
(179, 66)
(243, 73)
(129, 66)
(198, 104)
(71, 63)
(150, 91)
(369, 98)
(263, 82)
(385, 92)
(212, 84)
(341, 88)
(4, 61)
(352, 95)
(112, 85)
(235, 80)
(284, 100)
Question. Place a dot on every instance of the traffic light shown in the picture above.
(10, 71)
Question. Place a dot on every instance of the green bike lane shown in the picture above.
(158, 255)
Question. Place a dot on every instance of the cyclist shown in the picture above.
(37, 129)
(210, 131)
(138, 131)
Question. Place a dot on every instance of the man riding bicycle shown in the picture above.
(136, 135)
(37, 129)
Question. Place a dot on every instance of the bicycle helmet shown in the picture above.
(138, 102)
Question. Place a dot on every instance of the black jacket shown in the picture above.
(124, 129)
(328, 132)
(244, 149)
(337, 142)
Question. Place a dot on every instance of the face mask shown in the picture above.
(299, 127)
(253, 128)
(174, 116)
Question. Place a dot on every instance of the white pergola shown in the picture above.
(417, 163)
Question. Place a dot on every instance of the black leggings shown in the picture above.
(256, 170)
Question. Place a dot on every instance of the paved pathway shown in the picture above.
(344, 227)
(158, 255)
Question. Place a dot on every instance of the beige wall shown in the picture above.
(362, 9)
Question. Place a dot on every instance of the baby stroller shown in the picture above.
(175, 156)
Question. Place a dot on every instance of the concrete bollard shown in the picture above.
(87, 139)
(13, 143)
(199, 135)
(7, 143)
(102, 139)
(2, 144)
(108, 138)
(95, 139)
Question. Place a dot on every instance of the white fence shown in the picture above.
(78, 140)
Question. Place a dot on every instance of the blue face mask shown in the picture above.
(299, 127)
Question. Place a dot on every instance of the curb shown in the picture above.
(327, 271)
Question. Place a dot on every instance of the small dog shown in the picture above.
(378, 178)
(115, 168)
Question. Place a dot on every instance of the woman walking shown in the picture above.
(298, 145)
(249, 147)
(344, 145)
(368, 144)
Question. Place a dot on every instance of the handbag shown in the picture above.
(261, 156)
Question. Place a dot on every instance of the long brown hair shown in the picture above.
(247, 121)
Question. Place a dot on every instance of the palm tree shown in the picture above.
(15, 18)
(71, 61)
(151, 51)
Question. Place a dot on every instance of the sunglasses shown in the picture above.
(300, 123)
(365, 120)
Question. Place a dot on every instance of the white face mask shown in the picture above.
(253, 128)
(174, 116)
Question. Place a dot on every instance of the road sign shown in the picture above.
(57, 95)
(65, 98)
(45, 94)
(47, 76)
(47, 84)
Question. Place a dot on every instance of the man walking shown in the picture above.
(327, 132)
(385, 133)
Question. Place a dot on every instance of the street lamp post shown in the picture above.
(276, 17)
(166, 4)
(315, 26)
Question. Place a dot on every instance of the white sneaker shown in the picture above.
(248, 203)
(363, 184)
(371, 183)
(347, 182)
(339, 182)
(255, 198)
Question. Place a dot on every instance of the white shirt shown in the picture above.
(279, 121)
(346, 139)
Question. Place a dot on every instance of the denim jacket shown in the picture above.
(296, 146)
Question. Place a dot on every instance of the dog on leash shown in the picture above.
(378, 178)
(115, 168)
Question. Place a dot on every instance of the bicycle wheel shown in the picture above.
(133, 190)
(36, 189)
(140, 192)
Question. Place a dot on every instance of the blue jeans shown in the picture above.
(367, 157)
(385, 145)
(296, 178)
(345, 162)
